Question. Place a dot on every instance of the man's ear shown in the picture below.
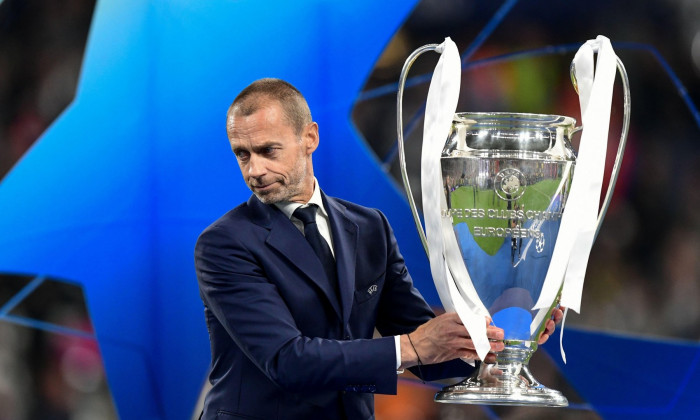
(310, 137)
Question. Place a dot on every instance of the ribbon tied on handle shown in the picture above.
(579, 225)
(454, 287)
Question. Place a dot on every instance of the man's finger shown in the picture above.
(490, 358)
(495, 333)
(549, 327)
(558, 314)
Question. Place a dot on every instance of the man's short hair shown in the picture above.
(257, 94)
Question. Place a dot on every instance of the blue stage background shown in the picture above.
(114, 194)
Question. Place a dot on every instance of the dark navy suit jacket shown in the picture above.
(284, 344)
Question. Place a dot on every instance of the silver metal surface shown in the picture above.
(506, 179)
(494, 386)
(399, 130)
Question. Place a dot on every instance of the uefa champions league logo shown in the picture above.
(509, 184)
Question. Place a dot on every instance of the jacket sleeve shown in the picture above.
(403, 310)
(234, 287)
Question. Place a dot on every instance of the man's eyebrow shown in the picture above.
(257, 148)
(267, 144)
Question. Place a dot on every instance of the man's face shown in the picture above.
(274, 160)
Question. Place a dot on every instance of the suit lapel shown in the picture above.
(286, 239)
(344, 233)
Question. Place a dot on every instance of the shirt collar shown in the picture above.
(288, 207)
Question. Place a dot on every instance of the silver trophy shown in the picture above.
(506, 179)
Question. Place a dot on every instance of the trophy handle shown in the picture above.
(399, 131)
(623, 138)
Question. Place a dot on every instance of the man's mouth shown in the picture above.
(263, 187)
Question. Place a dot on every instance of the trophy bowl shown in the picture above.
(506, 180)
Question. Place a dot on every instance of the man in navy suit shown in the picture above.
(289, 338)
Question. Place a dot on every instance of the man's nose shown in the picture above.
(256, 166)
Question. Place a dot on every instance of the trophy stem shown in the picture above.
(507, 382)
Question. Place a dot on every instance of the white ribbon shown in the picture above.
(579, 221)
(440, 108)
(596, 103)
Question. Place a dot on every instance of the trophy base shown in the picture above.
(502, 385)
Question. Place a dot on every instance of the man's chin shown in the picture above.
(269, 197)
(275, 195)
(265, 198)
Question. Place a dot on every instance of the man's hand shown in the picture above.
(551, 325)
(445, 338)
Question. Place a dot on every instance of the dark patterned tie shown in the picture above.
(320, 246)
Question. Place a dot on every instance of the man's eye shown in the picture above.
(241, 155)
(269, 150)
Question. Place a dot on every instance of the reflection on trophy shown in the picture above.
(505, 184)
(514, 175)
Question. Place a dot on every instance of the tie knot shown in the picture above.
(306, 214)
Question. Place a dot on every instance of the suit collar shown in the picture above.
(284, 237)
(261, 214)
(344, 232)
